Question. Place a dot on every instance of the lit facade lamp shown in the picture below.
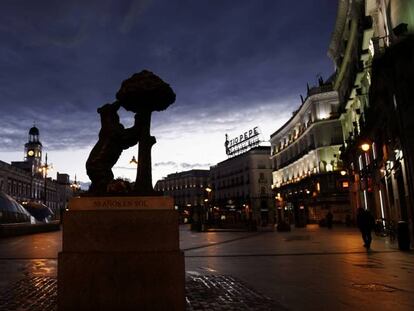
(365, 146)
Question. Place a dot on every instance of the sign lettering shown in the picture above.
(243, 142)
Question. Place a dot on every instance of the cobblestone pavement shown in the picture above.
(203, 292)
(36, 293)
(221, 292)
(308, 269)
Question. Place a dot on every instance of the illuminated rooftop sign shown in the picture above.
(243, 142)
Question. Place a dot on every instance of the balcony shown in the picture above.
(319, 89)
(379, 45)
(297, 157)
(303, 129)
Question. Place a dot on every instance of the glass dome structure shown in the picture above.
(11, 211)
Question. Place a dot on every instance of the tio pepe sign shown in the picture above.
(243, 142)
(245, 136)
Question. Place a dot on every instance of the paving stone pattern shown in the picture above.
(221, 292)
(203, 293)
(36, 293)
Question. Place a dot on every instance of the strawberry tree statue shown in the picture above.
(142, 94)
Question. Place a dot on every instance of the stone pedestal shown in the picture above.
(121, 253)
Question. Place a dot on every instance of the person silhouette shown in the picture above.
(366, 223)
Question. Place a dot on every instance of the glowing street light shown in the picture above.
(365, 147)
(75, 185)
(133, 161)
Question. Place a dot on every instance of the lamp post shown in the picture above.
(365, 172)
(75, 186)
(207, 201)
(43, 169)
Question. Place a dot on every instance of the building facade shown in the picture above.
(241, 189)
(188, 190)
(306, 178)
(372, 49)
(24, 180)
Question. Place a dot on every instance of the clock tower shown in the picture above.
(33, 150)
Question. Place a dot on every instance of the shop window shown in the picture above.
(374, 151)
(322, 166)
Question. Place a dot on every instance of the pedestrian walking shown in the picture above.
(329, 218)
(366, 223)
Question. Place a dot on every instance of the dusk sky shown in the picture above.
(233, 65)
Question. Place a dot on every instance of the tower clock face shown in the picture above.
(30, 153)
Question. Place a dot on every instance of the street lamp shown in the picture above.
(133, 161)
(44, 169)
(75, 185)
(206, 207)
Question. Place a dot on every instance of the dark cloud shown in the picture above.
(60, 60)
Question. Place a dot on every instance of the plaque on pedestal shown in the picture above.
(121, 203)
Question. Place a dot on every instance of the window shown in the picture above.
(329, 167)
(361, 165)
(374, 151)
(367, 159)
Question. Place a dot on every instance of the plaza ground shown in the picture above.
(306, 269)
